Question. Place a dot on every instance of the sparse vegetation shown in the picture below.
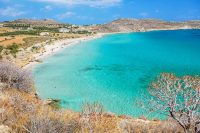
(82, 32)
(30, 41)
(17, 26)
(21, 32)
(91, 109)
(46, 29)
(13, 49)
(1, 49)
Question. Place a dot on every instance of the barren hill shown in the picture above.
(130, 25)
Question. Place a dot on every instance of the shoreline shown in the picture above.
(56, 46)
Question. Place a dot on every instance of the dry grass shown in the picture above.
(29, 41)
(6, 29)
(5, 38)
(22, 40)
(24, 112)
(9, 40)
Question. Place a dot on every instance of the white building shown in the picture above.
(29, 28)
(44, 33)
(64, 30)
(1, 25)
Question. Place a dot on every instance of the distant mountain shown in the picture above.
(130, 25)
(119, 25)
(33, 21)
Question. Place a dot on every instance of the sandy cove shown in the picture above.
(51, 49)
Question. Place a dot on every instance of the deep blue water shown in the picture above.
(116, 70)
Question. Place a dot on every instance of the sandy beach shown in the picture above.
(50, 49)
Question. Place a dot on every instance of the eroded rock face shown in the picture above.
(5, 129)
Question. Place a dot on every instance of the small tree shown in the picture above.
(14, 77)
(179, 98)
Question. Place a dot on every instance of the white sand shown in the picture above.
(51, 49)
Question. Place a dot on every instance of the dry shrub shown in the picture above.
(89, 114)
(168, 126)
(92, 109)
(145, 126)
(16, 107)
(24, 113)
(46, 124)
(92, 119)
(14, 77)
(48, 120)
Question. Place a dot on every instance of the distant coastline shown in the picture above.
(53, 37)
(51, 49)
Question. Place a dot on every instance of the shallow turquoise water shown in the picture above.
(116, 70)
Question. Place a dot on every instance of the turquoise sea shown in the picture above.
(116, 70)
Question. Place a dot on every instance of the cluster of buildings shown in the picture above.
(46, 26)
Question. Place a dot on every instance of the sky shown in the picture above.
(99, 11)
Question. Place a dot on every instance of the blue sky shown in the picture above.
(99, 11)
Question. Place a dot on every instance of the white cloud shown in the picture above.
(11, 12)
(65, 15)
(47, 8)
(91, 3)
(143, 14)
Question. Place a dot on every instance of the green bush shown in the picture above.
(1, 49)
(13, 49)
(31, 32)
(46, 29)
(82, 32)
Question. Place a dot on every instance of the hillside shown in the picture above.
(34, 21)
(21, 23)
(131, 25)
